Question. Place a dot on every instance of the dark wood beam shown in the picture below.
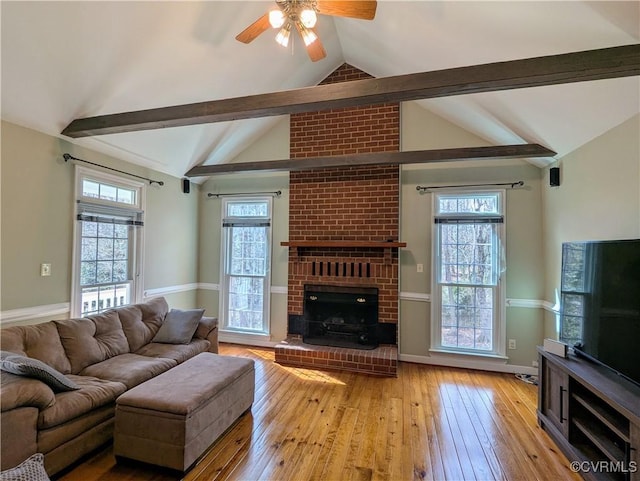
(532, 72)
(380, 158)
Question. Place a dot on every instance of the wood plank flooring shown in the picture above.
(429, 423)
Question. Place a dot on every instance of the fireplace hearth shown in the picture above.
(340, 316)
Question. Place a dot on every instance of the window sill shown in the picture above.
(490, 357)
(239, 332)
(247, 338)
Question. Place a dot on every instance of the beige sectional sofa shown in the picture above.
(104, 355)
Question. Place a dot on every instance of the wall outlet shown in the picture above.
(512, 343)
(420, 267)
(45, 270)
(534, 363)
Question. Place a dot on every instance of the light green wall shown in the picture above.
(524, 274)
(598, 198)
(421, 130)
(37, 222)
(271, 146)
(171, 240)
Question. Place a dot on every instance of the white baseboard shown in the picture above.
(253, 340)
(163, 291)
(551, 307)
(415, 296)
(205, 286)
(469, 364)
(27, 313)
(528, 303)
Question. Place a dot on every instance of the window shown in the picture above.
(246, 256)
(575, 290)
(108, 232)
(467, 302)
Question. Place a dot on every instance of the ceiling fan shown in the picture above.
(302, 15)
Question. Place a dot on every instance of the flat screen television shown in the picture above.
(600, 303)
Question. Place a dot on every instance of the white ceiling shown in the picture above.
(65, 60)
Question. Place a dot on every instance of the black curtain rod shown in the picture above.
(277, 193)
(420, 188)
(68, 157)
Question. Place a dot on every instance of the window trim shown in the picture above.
(81, 173)
(500, 322)
(224, 288)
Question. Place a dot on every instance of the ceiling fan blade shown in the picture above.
(256, 28)
(362, 9)
(314, 49)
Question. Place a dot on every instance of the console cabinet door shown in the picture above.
(555, 396)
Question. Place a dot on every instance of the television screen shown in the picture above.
(600, 303)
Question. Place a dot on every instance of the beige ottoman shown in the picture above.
(172, 419)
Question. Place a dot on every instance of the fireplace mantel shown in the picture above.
(296, 247)
(344, 244)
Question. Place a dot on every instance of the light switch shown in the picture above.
(420, 267)
(45, 270)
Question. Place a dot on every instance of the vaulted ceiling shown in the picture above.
(66, 60)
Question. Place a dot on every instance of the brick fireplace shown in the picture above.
(344, 226)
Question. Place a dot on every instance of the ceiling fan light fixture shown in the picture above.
(308, 36)
(283, 35)
(303, 16)
(276, 18)
(308, 17)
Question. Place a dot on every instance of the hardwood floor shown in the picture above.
(429, 423)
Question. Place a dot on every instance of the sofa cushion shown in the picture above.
(141, 322)
(179, 326)
(20, 391)
(31, 469)
(40, 341)
(92, 394)
(177, 352)
(93, 339)
(129, 369)
(29, 367)
(54, 437)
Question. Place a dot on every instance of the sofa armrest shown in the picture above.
(18, 391)
(19, 435)
(208, 329)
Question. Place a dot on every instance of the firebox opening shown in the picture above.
(341, 316)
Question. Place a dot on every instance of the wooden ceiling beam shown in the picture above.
(379, 158)
(588, 65)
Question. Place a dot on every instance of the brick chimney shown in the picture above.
(346, 203)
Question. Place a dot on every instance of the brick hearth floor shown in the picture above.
(382, 361)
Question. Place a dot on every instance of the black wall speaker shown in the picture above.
(554, 176)
(186, 186)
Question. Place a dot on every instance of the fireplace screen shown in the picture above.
(341, 316)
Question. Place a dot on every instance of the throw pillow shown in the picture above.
(179, 326)
(30, 367)
(31, 469)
